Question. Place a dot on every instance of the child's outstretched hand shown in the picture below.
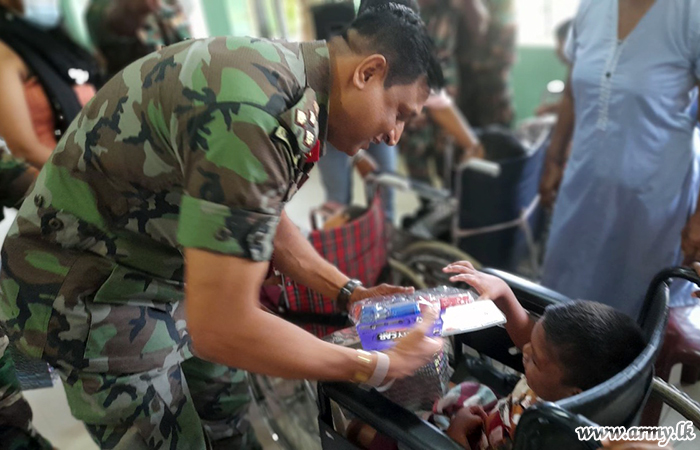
(465, 422)
(488, 286)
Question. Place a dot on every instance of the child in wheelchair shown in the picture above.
(571, 348)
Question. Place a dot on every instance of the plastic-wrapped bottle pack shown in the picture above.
(381, 321)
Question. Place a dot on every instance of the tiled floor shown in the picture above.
(52, 416)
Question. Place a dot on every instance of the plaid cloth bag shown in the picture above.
(358, 249)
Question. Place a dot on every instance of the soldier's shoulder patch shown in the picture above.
(301, 120)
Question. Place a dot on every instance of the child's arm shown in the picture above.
(519, 324)
(464, 423)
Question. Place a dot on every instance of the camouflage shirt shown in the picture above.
(198, 145)
(441, 19)
(168, 26)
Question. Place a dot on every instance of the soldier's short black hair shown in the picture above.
(593, 341)
(395, 30)
(367, 4)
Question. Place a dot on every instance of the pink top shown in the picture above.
(41, 112)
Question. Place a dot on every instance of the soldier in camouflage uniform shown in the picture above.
(426, 139)
(179, 169)
(485, 65)
(126, 30)
(16, 430)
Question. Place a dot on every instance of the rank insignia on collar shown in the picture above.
(309, 139)
(300, 118)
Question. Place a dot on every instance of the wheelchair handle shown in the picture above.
(402, 183)
(388, 179)
(676, 399)
(665, 276)
(489, 168)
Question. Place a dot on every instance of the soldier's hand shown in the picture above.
(361, 293)
(414, 350)
(549, 184)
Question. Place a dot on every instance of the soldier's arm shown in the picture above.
(296, 257)
(15, 120)
(453, 122)
(228, 326)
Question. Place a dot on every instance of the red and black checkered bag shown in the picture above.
(358, 249)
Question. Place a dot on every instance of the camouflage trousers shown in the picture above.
(16, 430)
(422, 146)
(190, 405)
(119, 340)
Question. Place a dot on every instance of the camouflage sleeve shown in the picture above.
(238, 168)
(235, 187)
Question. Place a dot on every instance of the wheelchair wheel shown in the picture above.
(427, 258)
(288, 408)
(401, 275)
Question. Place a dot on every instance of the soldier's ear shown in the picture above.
(372, 69)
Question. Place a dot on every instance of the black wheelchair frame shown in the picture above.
(617, 402)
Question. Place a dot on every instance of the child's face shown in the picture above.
(543, 370)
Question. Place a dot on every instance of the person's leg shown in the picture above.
(16, 430)
(149, 410)
(221, 397)
(336, 174)
(416, 147)
(387, 159)
(121, 363)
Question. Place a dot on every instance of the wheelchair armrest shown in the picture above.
(382, 414)
(532, 296)
(547, 426)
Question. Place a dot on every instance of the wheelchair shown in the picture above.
(491, 208)
(367, 248)
(618, 401)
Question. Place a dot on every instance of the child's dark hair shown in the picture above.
(397, 32)
(592, 341)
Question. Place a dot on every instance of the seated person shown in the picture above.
(45, 78)
(571, 348)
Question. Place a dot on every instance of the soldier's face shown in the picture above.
(378, 115)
